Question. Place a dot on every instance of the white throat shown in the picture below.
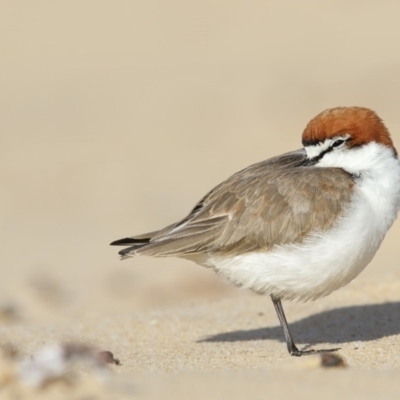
(377, 172)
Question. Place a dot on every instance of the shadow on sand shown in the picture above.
(341, 325)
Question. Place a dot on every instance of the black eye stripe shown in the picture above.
(320, 155)
(337, 143)
(315, 142)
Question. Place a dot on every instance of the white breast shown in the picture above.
(326, 261)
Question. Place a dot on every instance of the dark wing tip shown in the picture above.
(128, 241)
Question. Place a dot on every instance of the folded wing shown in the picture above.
(274, 202)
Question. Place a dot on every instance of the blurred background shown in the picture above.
(116, 117)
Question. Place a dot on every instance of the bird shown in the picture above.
(296, 226)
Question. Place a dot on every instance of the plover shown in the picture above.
(297, 226)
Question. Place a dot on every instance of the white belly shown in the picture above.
(323, 262)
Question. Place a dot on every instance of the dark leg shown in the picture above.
(293, 350)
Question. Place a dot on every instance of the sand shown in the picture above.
(116, 117)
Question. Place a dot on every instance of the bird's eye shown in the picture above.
(337, 143)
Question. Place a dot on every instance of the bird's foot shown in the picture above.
(298, 353)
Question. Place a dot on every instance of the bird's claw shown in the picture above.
(298, 353)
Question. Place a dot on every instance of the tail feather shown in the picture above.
(134, 243)
(178, 240)
(130, 241)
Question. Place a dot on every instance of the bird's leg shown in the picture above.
(293, 350)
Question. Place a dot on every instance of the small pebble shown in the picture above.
(108, 358)
(329, 360)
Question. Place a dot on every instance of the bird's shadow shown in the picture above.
(341, 325)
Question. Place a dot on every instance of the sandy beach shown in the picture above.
(116, 118)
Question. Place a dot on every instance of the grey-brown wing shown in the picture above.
(286, 208)
(277, 201)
